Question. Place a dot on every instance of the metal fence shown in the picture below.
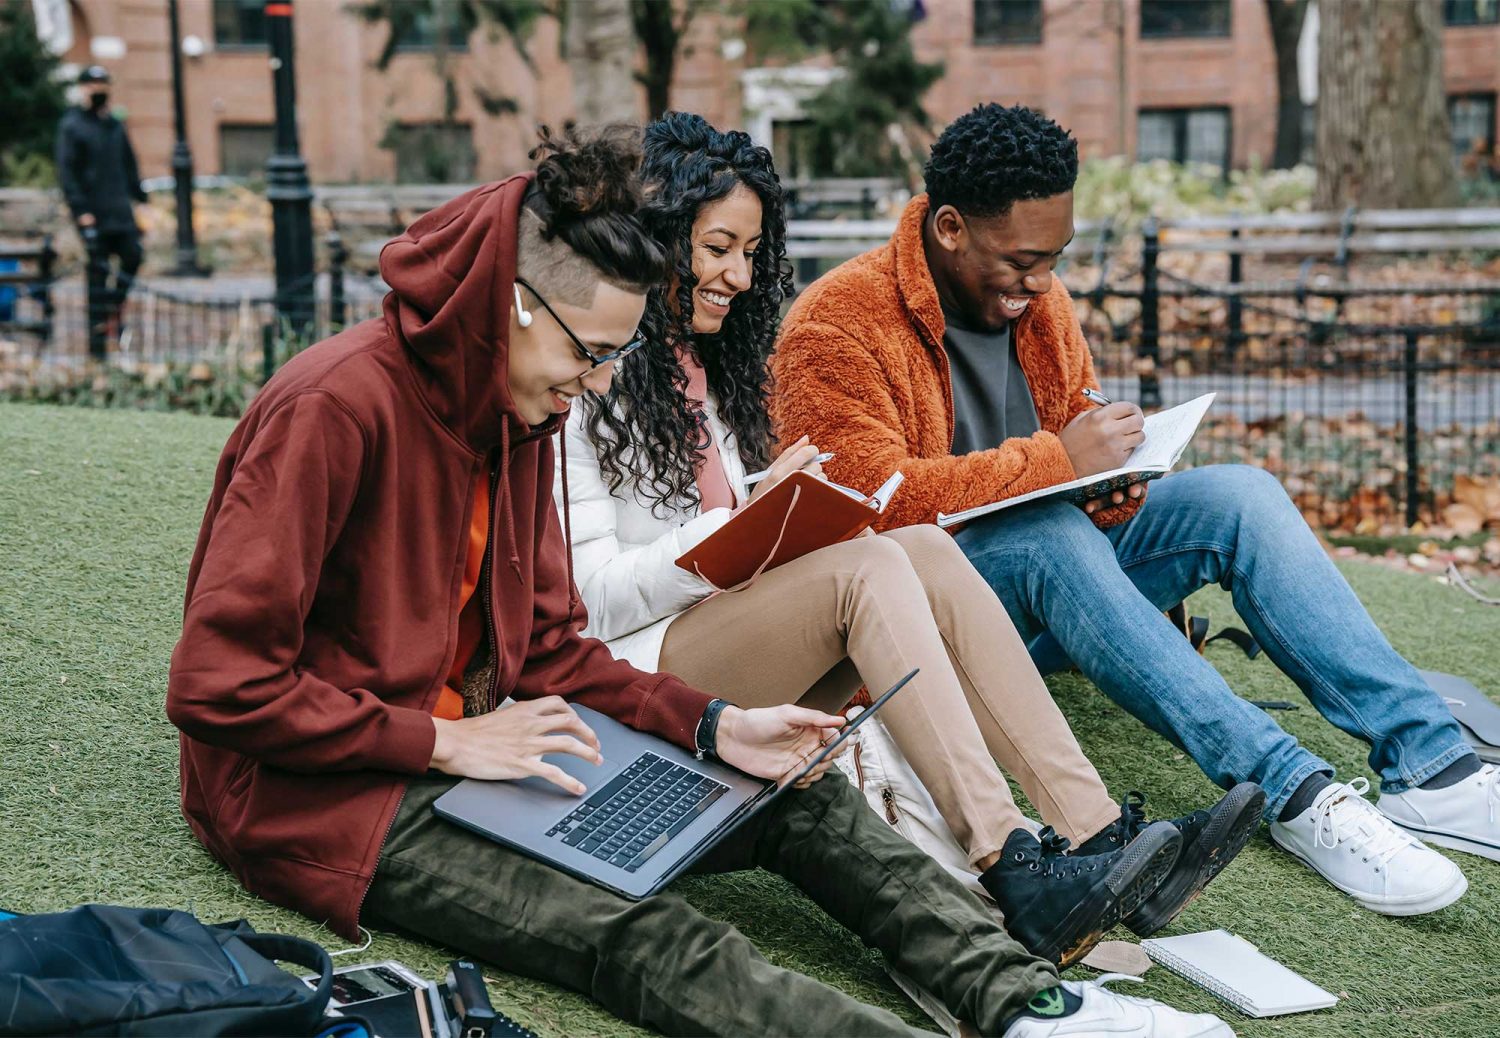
(1368, 399)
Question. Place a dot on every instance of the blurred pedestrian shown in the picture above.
(97, 170)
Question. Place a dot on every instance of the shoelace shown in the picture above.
(1490, 776)
(1349, 816)
(1132, 815)
(1049, 856)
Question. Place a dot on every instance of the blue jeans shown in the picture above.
(1096, 597)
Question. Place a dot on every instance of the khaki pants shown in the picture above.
(905, 599)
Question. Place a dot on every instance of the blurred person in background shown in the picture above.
(97, 171)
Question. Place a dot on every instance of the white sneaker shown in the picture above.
(1105, 1013)
(1465, 816)
(1344, 839)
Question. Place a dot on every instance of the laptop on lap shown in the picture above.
(652, 809)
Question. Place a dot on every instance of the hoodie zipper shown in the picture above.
(486, 578)
(490, 637)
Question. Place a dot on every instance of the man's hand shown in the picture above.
(1101, 438)
(1134, 492)
(509, 743)
(771, 742)
(86, 219)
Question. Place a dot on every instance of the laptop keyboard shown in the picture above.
(634, 816)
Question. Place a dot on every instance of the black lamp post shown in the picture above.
(287, 186)
(182, 165)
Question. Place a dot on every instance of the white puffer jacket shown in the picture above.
(624, 554)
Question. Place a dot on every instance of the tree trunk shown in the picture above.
(1286, 18)
(601, 47)
(659, 31)
(1383, 137)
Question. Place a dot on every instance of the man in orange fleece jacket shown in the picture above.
(953, 354)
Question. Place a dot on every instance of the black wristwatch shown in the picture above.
(706, 740)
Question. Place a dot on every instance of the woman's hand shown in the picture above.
(772, 742)
(509, 743)
(797, 457)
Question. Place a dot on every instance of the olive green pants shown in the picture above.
(663, 964)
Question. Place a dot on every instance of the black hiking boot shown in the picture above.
(1059, 905)
(1210, 840)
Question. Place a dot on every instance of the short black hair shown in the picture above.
(993, 157)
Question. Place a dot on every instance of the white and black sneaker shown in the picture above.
(1464, 816)
(1347, 841)
(1088, 1009)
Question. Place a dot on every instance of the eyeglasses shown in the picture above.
(584, 351)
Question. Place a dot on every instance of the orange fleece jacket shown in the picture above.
(860, 368)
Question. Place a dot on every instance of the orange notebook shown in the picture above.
(800, 514)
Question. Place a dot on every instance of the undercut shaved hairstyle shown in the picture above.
(579, 223)
(993, 157)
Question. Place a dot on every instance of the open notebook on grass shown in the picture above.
(800, 514)
(1167, 436)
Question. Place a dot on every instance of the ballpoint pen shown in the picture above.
(756, 477)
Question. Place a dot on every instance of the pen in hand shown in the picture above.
(756, 477)
(1095, 397)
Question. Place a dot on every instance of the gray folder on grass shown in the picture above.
(1476, 713)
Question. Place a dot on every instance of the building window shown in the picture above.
(1197, 135)
(244, 149)
(1007, 21)
(419, 27)
(1471, 12)
(1160, 18)
(432, 153)
(240, 23)
(1472, 119)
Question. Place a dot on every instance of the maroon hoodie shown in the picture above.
(323, 597)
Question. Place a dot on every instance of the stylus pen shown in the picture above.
(1095, 397)
(756, 477)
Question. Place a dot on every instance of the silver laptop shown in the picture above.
(652, 809)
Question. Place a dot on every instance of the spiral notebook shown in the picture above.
(1236, 971)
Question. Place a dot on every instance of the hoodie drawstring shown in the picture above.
(505, 505)
(568, 527)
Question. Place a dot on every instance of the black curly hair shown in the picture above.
(643, 429)
(993, 157)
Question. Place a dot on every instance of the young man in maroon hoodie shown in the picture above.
(381, 568)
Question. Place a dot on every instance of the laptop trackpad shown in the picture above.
(592, 775)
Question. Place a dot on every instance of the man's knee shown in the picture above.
(1054, 530)
(1253, 497)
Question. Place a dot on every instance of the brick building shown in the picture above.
(1184, 79)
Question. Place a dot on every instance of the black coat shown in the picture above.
(97, 169)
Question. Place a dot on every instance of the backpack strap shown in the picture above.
(307, 954)
(1195, 629)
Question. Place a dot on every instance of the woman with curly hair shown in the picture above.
(658, 463)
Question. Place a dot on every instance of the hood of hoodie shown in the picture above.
(451, 275)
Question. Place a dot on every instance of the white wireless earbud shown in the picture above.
(523, 315)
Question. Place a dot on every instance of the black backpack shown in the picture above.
(106, 970)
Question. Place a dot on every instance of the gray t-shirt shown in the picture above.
(991, 400)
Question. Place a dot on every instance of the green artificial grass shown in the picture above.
(98, 515)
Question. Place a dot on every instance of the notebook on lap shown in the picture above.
(652, 809)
